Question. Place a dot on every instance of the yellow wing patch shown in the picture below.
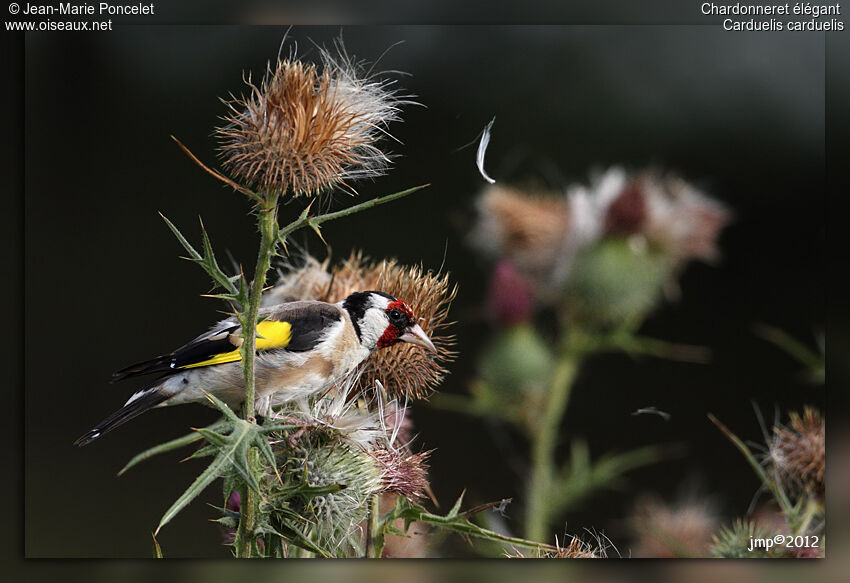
(269, 335)
(273, 334)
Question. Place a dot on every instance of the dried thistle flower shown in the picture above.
(305, 129)
(669, 531)
(402, 472)
(402, 369)
(575, 549)
(798, 451)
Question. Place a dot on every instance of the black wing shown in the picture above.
(307, 322)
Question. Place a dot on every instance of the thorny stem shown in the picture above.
(543, 442)
(314, 222)
(372, 547)
(267, 222)
(800, 525)
(270, 236)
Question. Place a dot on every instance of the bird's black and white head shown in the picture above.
(380, 321)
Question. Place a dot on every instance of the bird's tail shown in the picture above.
(138, 404)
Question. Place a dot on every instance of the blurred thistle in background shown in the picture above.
(594, 262)
(602, 252)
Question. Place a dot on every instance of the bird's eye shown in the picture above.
(395, 315)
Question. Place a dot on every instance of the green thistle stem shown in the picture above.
(270, 236)
(315, 222)
(267, 223)
(373, 548)
(543, 442)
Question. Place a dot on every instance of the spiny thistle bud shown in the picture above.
(338, 513)
(305, 129)
(320, 457)
(734, 542)
(798, 451)
(516, 369)
(344, 444)
(402, 369)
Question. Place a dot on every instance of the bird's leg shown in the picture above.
(263, 407)
(280, 416)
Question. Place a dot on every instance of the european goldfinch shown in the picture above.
(302, 348)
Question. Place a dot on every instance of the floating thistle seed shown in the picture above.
(398, 422)
(305, 129)
(404, 370)
(798, 451)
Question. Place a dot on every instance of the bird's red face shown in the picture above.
(403, 327)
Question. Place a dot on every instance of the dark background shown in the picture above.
(740, 115)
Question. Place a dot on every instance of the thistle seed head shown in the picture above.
(798, 451)
(305, 128)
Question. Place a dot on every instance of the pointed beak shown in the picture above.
(416, 335)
